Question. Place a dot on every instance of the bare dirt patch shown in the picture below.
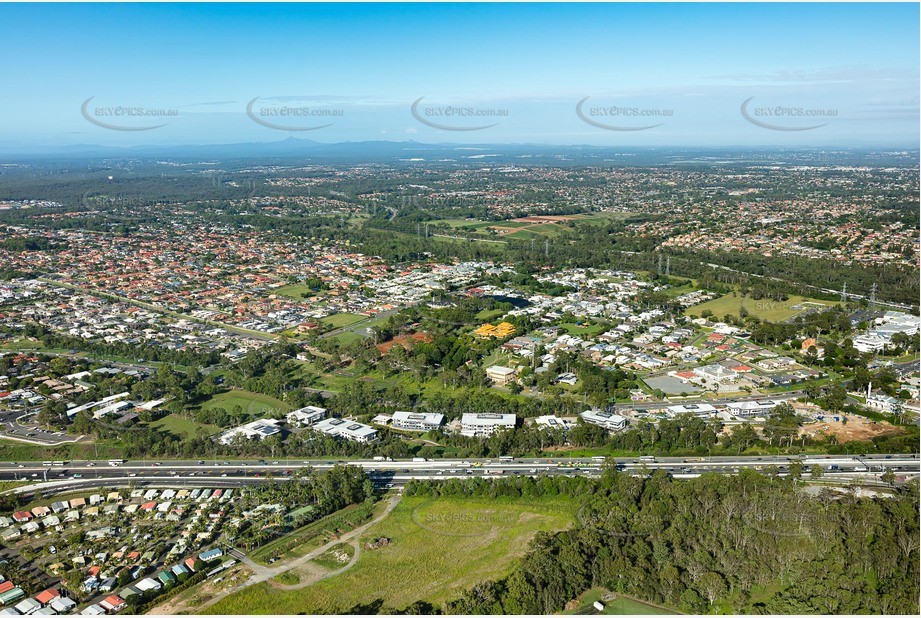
(856, 428)
(190, 599)
(404, 340)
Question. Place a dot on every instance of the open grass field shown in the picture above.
(765, 309)
(438, 548)
(11, 450)
(180, 425)
(586, 328)
(294, 290)
(541, 231)
(339, 320)
(461, 222)
(347, 338)
(679, 290)
(253, 404)
(487, 314)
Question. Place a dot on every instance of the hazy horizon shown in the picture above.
(631, 75)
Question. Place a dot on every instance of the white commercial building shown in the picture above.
(255, 430)
(751, 408)
(485, 424)
(306, 416)
(500, 375)
(417, 421)
(871, 342)
(349, 430)
(550, 421)
(608, 420)
(882, 402)
(697, 409)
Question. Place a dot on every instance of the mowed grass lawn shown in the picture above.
(438, 548)
(179, 425)
(585, 328)
(488, 314)
(294, 290)
(765, 309)
(338, 320)
(252, 403)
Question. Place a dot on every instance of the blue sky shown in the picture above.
(682, 70)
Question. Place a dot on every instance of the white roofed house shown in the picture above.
(417, 421)
(485, 424)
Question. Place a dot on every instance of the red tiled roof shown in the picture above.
(47, 596)
(114, 600)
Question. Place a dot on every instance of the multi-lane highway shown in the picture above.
(75, 474)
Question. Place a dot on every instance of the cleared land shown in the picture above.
(404, 341)
(437, 548)
(765, 309)
(856, 428)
